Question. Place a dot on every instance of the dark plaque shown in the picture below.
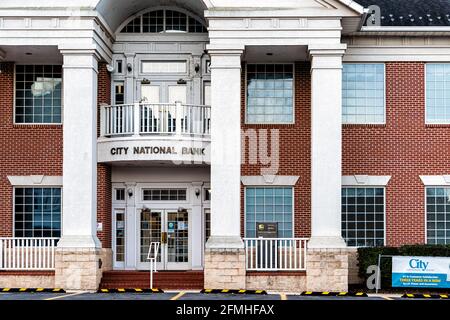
(267, 229)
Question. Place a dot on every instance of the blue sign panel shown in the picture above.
(421, 272)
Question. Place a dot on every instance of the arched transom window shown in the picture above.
(159, 21)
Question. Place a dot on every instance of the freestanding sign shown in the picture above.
(421, 272)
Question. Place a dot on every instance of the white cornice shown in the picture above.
(365, 180)
(35, 180)
(269, 180)
(443, 180)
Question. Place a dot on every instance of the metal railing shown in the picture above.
(27, 253)
(155, 118)
(152, 256)
(275, 254)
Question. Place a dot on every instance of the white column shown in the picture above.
(80, 150)
(130, 88)
(326, 146)
(196, 227)
(132, 245)
(225, 149)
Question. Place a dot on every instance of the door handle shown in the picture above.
(163, 237)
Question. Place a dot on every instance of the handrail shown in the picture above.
(155, 118)
(275, 254)
(152, 255)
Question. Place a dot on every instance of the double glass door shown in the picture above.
(171, 229)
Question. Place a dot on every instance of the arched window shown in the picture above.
(159, 21)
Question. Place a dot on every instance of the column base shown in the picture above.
(327, 269)
(78, 268)
(224, 268)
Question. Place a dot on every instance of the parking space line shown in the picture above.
(66, 295)
(387, 298)
(283, 296)
(179, 295)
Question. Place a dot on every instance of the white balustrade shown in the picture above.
(150, 118)
(275, 254)
(27, 253)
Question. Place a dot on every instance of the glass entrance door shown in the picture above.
(171, 229)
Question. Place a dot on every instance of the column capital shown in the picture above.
(225, 58)
(326, 57)
(337, 49)
(214, 49)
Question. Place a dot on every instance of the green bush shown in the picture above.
(369, 256)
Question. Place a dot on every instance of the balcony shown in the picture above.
(155, 132)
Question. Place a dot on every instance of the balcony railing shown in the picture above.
(277, 254)
(27, 253)
(150, 118)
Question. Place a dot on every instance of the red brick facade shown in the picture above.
(295, 149)
(104, 201)
(25, 149)
(404, 148)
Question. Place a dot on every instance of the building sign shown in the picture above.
(421, 272)
(157, 150)
(266, 229)
(175, 151)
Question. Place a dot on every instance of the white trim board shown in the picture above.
(365, 180)
(269, 180)
(36, 180)
(443, 180)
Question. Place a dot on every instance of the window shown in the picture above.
(438, 215)
(207, 224)
(363, 216)
(363, 93)
(437, 93)
(164, 194)
(270, 93)
(37, 212)
(120, 194)
(119, 94)
(207, 93)
(38, 94)
(207, 194)
(164, 67)
(119, 65)
(269, 205)
(159, 21)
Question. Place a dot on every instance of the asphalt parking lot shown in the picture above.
(179, 295)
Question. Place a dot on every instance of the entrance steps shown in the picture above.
(162, 279)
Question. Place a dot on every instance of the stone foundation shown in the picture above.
(276, 282)
(225, 269)
(353, 269)
(327, 270)
(27, 280)
(107, 259)
(78, 269)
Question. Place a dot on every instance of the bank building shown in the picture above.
(258, 143)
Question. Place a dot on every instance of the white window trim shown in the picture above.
(270, 180)
(384, 206)
(365, 181)
(36, 181)
(293, 96)
(440, 122)
(384, 95)
(256, 186)
(431, 181)
(62, 98)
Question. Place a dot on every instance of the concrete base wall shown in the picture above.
(77, 269)
(224, 269)
(276, 282)
(327, 270)
(27, 281)
(106, 255)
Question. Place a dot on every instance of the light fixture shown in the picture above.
(181, 81)
(130, 192)
(28, 53)
(197, 192)
(269, 54)
(129, 67)
(197, 67)
(145, 81)
(110, 68)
